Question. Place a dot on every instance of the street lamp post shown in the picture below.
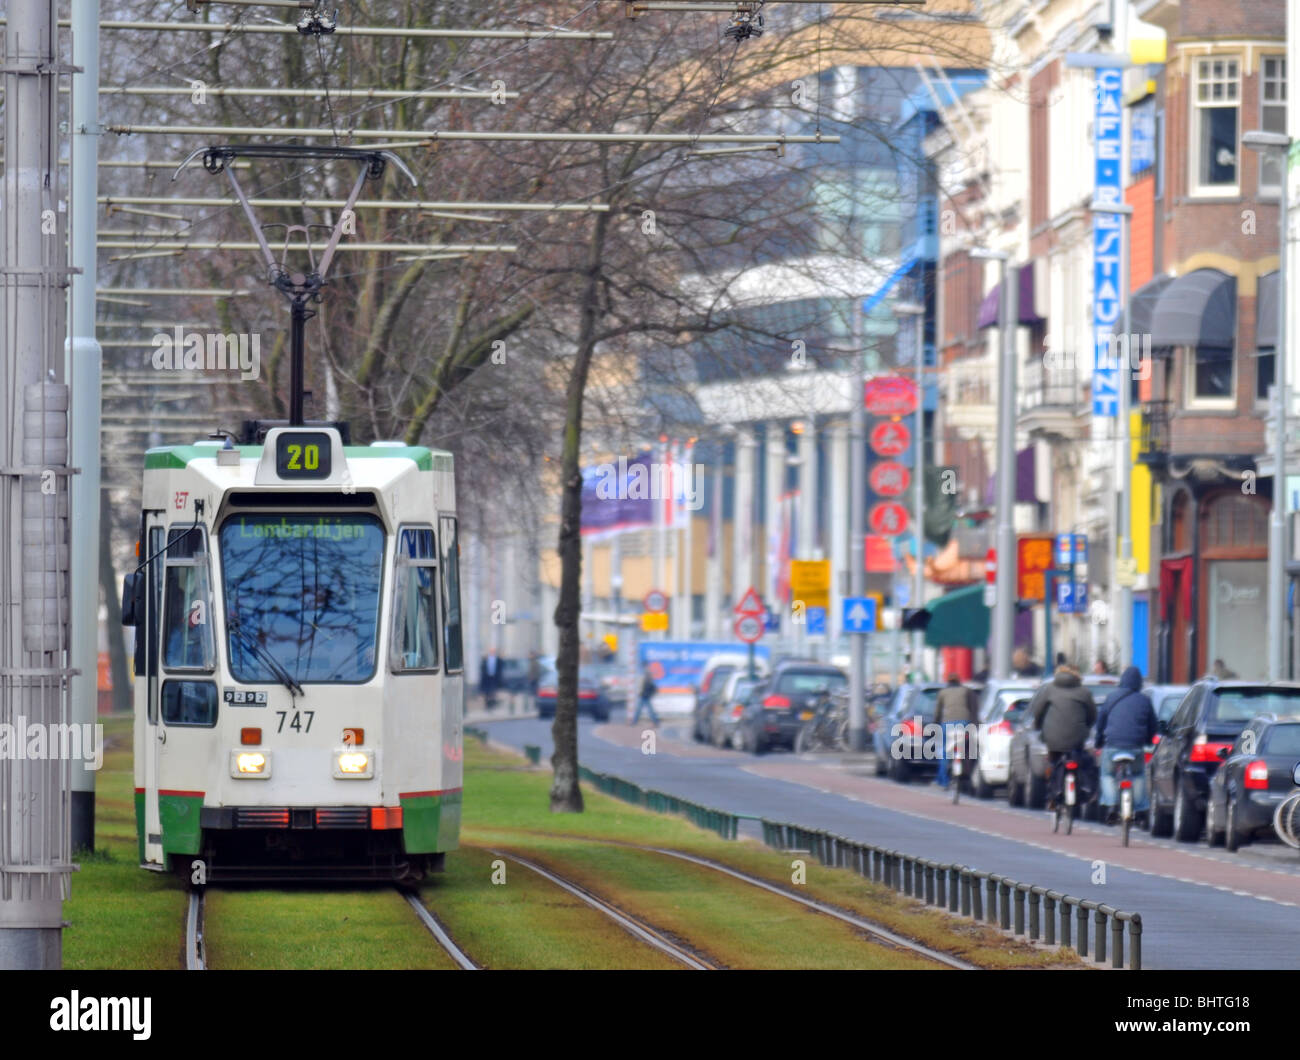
(1122, 509)
(914, 311)
(857, 532)
(1004, 607)
(1278, 144)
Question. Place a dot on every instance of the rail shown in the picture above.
(1053, 918)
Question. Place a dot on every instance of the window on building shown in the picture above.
(1210, 376)
(1159, 138)
(1265, 367)
(1216, 105)
(1272, 118)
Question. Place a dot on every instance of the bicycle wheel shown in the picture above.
(1069, 819)
(1124, 826)
(956, 787)
(1286, 820)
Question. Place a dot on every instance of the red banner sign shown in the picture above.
(890, 480)
(888, 518)
(890, 395)
(890, 439)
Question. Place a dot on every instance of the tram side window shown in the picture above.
(187, 602)
(415, 630)
(451, 628)
(189, 703)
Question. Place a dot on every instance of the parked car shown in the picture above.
(1028, 766)
(1165, 700)
(591, 696)
(1195, 741)
(903, 730)
(730, 708)
(778, 709)
(1002, 710)
(514, 675)
(710, 691)
(1254, 777)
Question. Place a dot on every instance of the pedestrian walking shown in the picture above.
(648, 689)
(955, 708)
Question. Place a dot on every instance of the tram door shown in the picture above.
(154, 731)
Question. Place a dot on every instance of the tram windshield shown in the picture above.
(302, 596)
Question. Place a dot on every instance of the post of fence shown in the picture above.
(1081, 941)
(1116, 942)
(1135, 942)
(1035, 923)
(1019, 898)
(929, 882)
(907, 875)
(1099, 939)
(991, 913)
(965, 892)
(1065, 922)
(1004, 921)
(954, 883)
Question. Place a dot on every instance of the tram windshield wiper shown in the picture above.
(272, 663)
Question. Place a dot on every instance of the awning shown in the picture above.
(958, 619)
(1199, 309)
(988, 315)
(1143, 306)
(1266, 311)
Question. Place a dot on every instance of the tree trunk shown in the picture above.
(566, 795)
(120, 675)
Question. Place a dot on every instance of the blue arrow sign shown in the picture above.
(859, 614)
(816, 617)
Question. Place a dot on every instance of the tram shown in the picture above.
(298, 690)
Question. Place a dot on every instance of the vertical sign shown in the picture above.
(1108, 131)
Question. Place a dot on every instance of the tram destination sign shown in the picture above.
(303, 454)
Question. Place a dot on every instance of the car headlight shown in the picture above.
(250, 765)
(354, 764)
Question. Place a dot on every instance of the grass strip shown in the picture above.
(526, 921)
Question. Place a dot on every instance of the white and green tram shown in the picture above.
(298, 665)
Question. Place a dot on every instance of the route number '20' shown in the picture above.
(295, 722)
(303, 457)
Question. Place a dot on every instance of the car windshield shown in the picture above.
(807, 683)
(1006, 699)
(1242, 704)
(1167, 704)
(923, 702)
(742, 690)
(1282, 740)
(302, 593)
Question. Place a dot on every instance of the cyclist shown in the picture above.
(955, 708)
(1064, 711)
(1126, 722)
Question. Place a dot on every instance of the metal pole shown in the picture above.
(918, 577)
(83, 368)
(34, 516)
(1124, 616)
(857, 532)
(298, 324)
(1277, 516)
(1004, 611)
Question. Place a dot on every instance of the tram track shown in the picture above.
(196, 958)
(435, 928)
(634, 926)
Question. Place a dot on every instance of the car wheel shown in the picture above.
(759, 747)
(1161, 823)
(601, 715)
(1213, 836)
(983, 789)
(882, 766)
(719, 738)
(1015, 793)
(738, 740)
(899, 771)
(1036, 791)
(1187, 825)
(1231, 837)
(801, 741)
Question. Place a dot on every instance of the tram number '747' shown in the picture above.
(295, 723)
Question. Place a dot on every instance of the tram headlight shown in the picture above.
(250, 765)
(354, 764)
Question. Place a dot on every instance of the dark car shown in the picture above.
(514, 675)
(1194, 742)
(1254, 777)
(783, 702)
(729, 708)
(1027, 776)
(899, 740)
(592, 698)
(706, 699)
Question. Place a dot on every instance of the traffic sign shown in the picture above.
(891, 395)
(888, 518)
(750, 604)
(1064, 550)
(816, 618)
(990, 595)
(1126, 572)
(858, 614)
(890, 479)
(655, 600)
(771, 622)
(1071, 597)
(654, 621)
(748, 628)
(810, 581)
(890, 439)
(991, 567)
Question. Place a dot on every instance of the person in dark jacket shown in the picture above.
(1064, 711)
(1126, 722)
(955, 706)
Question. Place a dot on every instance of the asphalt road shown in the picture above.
(1201, 908)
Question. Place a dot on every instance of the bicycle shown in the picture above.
(1068, 797)
(956, 758)
(1121, 762)
(1286, 818)
(827, 729)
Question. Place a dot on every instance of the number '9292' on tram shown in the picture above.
(298, 666)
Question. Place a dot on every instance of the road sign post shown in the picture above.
(751, 623)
